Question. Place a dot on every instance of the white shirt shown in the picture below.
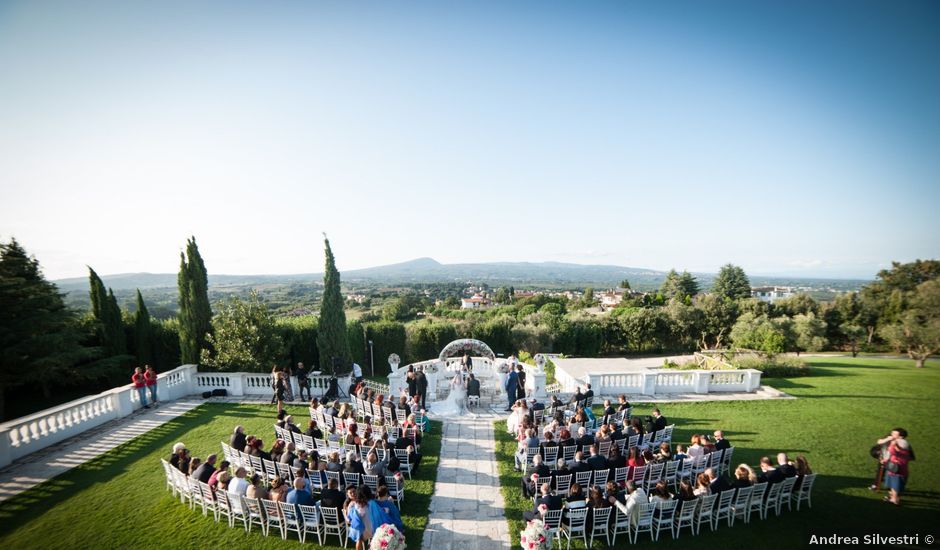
(357, 370)
(238, 486)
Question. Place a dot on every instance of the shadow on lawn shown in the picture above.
(33, 502)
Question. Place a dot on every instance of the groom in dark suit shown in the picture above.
(421, 385)
(510, 387)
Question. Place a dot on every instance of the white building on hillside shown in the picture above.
(771, 293)
(477, 301)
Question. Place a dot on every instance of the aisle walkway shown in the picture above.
(467, 510)
(41, 466)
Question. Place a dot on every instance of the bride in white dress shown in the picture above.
(456, 402)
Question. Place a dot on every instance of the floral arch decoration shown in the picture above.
(468, 345)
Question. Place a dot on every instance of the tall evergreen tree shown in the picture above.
(40, 341)
(195, 313)
(108, 314)
(331, 337)
(732, 283)
(143, 332)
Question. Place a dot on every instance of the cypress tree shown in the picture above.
(195, 313)
(143, 332)
(108, 314)
(331, 336)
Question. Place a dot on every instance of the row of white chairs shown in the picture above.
(673, 515)
(267, 514)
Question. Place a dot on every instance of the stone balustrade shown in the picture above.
(653, 382)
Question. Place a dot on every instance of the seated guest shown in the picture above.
(299, 495)
(333, 463)
(720, 442)
(616, 460)
(635, 497)
(578, 464)
(561, 469)
(194, 464)
(588, 392)
(685, 491)
(388, 507)
(277, 449)
(615, 432)
(225, 479)
(622, 403)
(596, 462)
(576, 494)
(660, 492)
(664, 454)
(180, 458)
(577, 397)
(374, 467)
(313, 430)
(549, 441)
(680, 453)
(769, 474)
(256, 488)
(214, 478)
(635, 457)
(301, 462)
(802, 470)
(716, 483)
(659, 421)
(352, 435)
(530, 480)
(331, 497)
(584, 439)
(205, 470)
(403, 405)
(602, 434)
(534, 405)
(564, 438)
(238, 441)
(702, 485)
(332, 409)
(288, 456)
(783, 464)
(239, 485)
(708, 444)
(281, 415)
(596, 500)
(555, 403)
(473, 386)
(353, 465)
(278, 490)
(696, 449)
(613, 491)
(289, 424)
(550, 501)
(744, 476)
(609, 412)
(314, 404)
(530, 441)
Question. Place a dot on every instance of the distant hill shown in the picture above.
(428, 270)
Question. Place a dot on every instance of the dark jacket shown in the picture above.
(597, 462)
(586, 441)
(204, 472)
(421, 382)
(332, 498)
(659, 423)
(473, 387)
(553, 502)
(238, 441)
(722, 444)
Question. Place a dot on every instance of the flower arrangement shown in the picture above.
(535, 536)
(387, 537)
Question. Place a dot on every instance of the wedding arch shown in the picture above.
(474, 347)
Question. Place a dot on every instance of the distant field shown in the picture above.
(842, 409)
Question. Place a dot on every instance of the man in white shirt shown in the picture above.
(636, 497)
(239, 485)
(357, 372)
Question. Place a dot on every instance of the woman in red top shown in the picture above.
(896, 465)
(150, 376)
(140, 384)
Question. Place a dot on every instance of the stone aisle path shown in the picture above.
(467, 509)
(43, 465)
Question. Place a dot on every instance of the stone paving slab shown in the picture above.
(467, 508)
(46, 464)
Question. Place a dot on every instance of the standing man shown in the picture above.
(150, 376)
(357, 372)
(520, 382)
(510, 386)
(412, 382)
(140, 384)
(466, 363)
(421, 385)
(303, 381)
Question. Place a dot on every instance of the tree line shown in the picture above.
(48, 348)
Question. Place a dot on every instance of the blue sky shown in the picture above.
(787, 137)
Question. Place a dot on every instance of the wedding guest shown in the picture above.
(238, 441)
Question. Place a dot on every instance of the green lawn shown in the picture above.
(118, 500)
(842, 409)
